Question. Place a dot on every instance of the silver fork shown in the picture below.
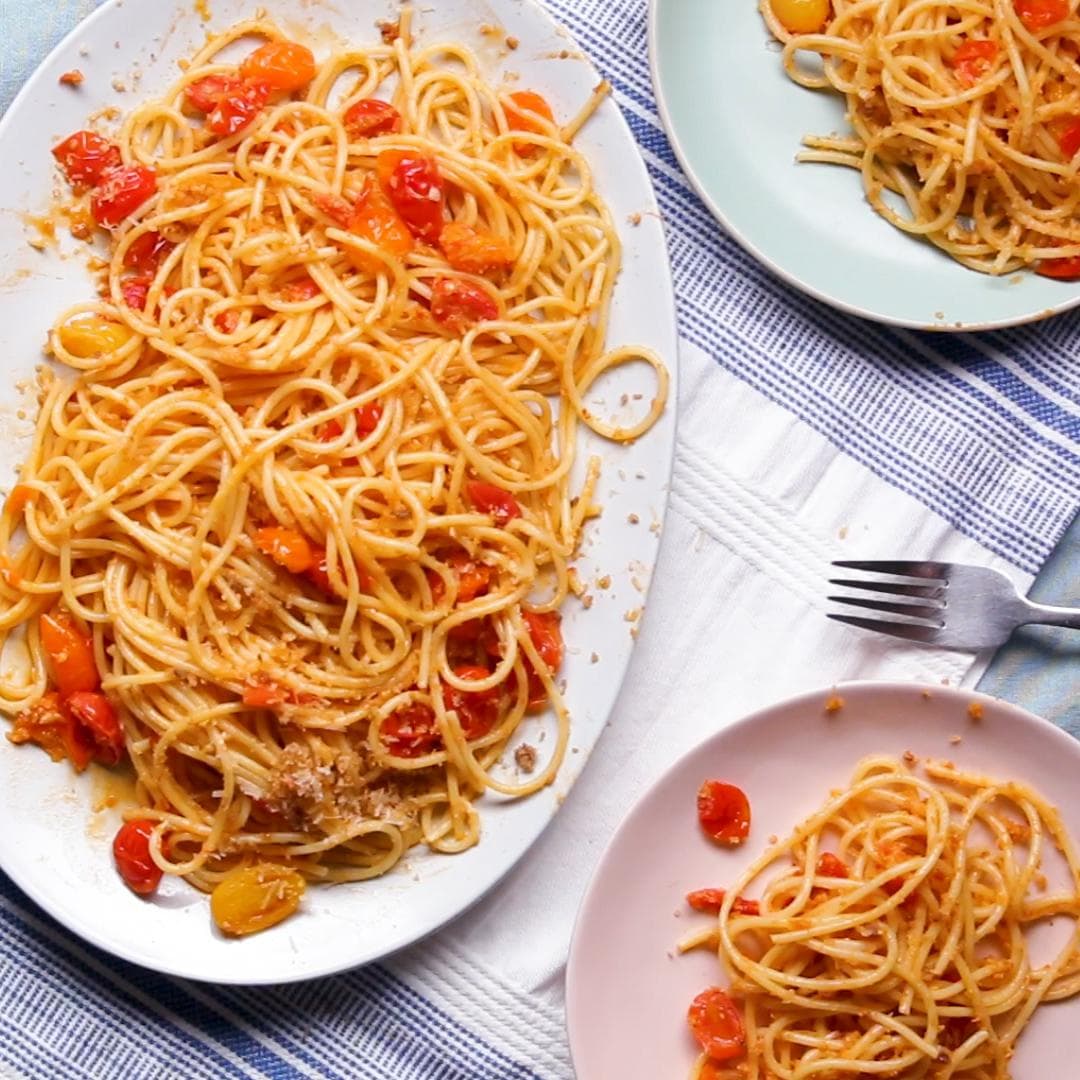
(941, 603)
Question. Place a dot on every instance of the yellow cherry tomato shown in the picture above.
(252, 898)
(802, 16)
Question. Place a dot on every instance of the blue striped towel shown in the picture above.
(839, 431)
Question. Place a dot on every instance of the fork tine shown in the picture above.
(911, 631)
(920, 592)
(902, 568)
(914, 611)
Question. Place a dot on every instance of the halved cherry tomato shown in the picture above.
(473, 250)
(1065, 269)
(120, 192)
(286, 547)
(477, 710)
(85, 157)
(724, 812)
(318, 573)
(264, 695)
(370, 117)
(717, 1024)
(69, 653)
(711, 900)
(282, 65)
(335, 207)
(830, 865)
(489, 499)
(473, 577)
(205, 93)
(457, 305)
(131, 851)
(367, 417)
(147, 251)
(236, 109)
(48, 724)
(1037, 15)
(95, 713)
(135, 290)
(414, 186)
(546, 635)
(973, 58)
(523, 108)
(295, 292)
(375, 218)
(411, 731)
(227, 321)
(1068, 136)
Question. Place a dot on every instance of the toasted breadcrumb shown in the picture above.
(975, 711)
(74, 77)
(834, 703)
(525, 757)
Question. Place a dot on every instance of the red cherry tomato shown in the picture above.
(85, 157)
(477, 710)
(135, 290)
(546, 635)
(69, 653)
(717, 1025)
(1037, 15)
(147, 251)
(972, 60)
(371, 117)
(411, 731)
(829, 865)
(489, 499)
(205, 93)
(236, 109)
(50, 725)
(413, 184)
(131, 851)
(724, 812)
(711, 900)
(1065, 269)
(121, 192)
(282, 65)
(457, 305)
(95, 713)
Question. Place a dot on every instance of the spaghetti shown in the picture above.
(969, 113)
(890, 934)
(300, 531)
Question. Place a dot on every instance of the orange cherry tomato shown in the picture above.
(724, 812)
(21, 496)
(374, 218)
(413, 184)
(1038, 15)
(282, 65)
(262, 694)
(286, 547)
(489, 499)
(830, 865)
(204, 94)
(1065, 269)
(85, 157)
(69, 653)
(371, 117)
(475, 251)
(411, 731)
(717, 1024)
(95, 713)
(457, 305)
(525, 111)
(973, 59)
(120, 192)
(477, 710)
(711, 900)
(131, 852)
(237, 108)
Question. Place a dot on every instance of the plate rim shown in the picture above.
(703, 193)
(573, 1018)
(663, 282)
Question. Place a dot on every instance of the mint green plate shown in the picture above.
(736, 120)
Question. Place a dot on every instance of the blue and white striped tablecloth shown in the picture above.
(981, 430)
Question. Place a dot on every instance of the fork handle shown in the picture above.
(1047, 615)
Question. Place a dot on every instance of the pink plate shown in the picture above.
(627, 989)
